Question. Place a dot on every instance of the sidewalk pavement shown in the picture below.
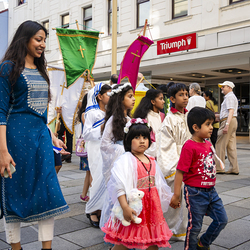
(73, 230)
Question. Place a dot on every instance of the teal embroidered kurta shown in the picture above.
(34, 192)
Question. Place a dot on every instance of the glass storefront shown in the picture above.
(242, 93)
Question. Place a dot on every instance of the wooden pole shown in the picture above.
(114, 37)
(77, 24)
(145, 27)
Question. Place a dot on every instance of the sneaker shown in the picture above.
(200, 247)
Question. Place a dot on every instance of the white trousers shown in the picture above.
(45, 231)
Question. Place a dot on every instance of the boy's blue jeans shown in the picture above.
(200, 202)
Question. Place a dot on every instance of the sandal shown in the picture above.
(85, 199)
(93, 223)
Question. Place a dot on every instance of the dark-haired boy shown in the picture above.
(197, 169)
(170, 139)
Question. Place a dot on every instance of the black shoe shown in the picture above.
(68, 161)
(93, 223)
(66, 158)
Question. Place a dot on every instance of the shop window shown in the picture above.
(20, 2)
(87, 18)
(46, 26)
(110, 17)
(235, 1)
(143, 11)
(65, 21)
(179, 8)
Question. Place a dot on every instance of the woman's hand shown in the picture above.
(5, 160)
(128, 213)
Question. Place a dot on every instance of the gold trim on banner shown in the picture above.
(76, 35)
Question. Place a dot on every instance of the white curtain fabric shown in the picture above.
(68, 101)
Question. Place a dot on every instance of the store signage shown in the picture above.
(178, 43)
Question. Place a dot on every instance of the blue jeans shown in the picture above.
(200, 202)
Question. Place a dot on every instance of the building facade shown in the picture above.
(221, 27)
(3, 27)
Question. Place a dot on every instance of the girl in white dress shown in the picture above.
(118, 113)
(94, 118)
(149, 108)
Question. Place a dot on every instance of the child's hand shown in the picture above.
(175, 201)
(128, 213)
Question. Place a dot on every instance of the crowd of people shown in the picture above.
(169, 156)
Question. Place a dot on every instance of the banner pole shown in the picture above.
(145, 27)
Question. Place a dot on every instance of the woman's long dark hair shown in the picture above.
(116, 108)
(210, 95)
(146, 105)
(18, 50)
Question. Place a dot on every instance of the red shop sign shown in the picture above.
(178, 43)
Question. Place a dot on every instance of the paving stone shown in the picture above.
(246, 218)
(63, 179)
(227, 199)
(72, 226)
(82, 217)
(234, 234)
(229, 184)
(72, 183)
(176, 245)
(73, 198)
(4, 245)
(233, 213)
(86, 237)
(75, 209)
(244, 246)
(72, 190)
(220, 189)
(243, 203)
(28, 234)
(243, 192)
(103, 246)
(245, 181)
(57, 244)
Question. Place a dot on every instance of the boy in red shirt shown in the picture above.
(196, 168)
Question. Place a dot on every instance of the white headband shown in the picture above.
(119, 89)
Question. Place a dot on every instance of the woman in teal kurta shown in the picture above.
(33, 192)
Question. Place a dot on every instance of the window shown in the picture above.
(19, 2)
(110, 17)
(87, 18)
(46, 26)
(65, 21)
(235, 1)
(179, 8)
(143, 10)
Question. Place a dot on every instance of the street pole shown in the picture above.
(114, 37)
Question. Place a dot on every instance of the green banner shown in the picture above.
(78, 49)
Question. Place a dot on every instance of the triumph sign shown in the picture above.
(178, 43)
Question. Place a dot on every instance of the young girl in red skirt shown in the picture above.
(134, 169)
